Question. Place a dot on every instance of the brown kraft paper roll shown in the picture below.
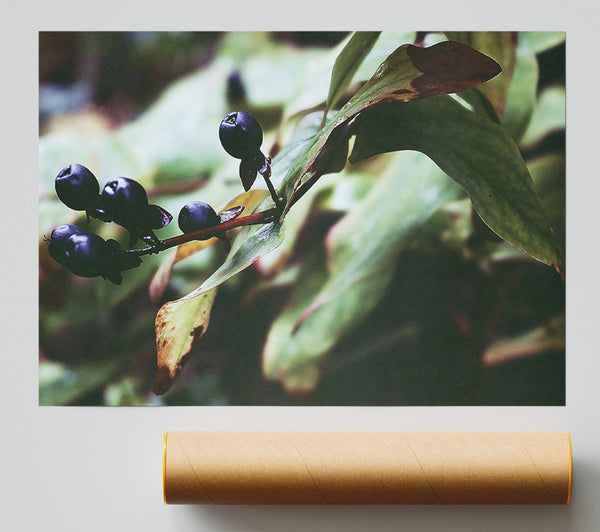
(367, 468)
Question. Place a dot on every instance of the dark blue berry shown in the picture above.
(196, 216)
(125, 201)
(87, 254)
(240, 135)
(77, 188)
(58, 237)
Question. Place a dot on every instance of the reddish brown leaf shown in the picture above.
(450, 67)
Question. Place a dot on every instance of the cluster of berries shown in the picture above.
(125, 202)
(89, 255)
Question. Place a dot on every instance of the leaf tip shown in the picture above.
(449, 67)
(560, 269)
(163, 381)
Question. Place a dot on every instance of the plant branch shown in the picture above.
(216, 231)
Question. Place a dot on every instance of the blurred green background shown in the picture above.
(465, 320)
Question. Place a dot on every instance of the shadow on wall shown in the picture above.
(380, 518)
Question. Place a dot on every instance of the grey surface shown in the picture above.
(98, 469)
(95, 469)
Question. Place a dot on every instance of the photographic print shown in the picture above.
(302, 218)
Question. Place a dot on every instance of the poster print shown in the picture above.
(308, 218)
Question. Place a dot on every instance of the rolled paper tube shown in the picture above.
(367, 467)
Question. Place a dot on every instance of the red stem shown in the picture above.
(252, 219)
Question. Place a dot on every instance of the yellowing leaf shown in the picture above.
(179, 325)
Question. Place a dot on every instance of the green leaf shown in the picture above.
(477, 154)
(541, 41)
(332, 299)
(548, 174)
(547, 337)
(254, 244)
(522, 92)
(409, 73)
(179, 325)
(347, 63)
(479, 103)
(296, 371)
(549, 115)
(270, 69)
(311, 90)
(60, 384)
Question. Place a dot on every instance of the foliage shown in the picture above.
(415, 243)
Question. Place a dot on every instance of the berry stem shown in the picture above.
(217, 230)
(265, 171)
(273, 192)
